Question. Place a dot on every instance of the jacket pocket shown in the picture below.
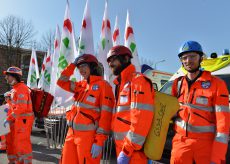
(124, 121)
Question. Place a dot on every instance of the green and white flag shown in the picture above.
(33, 74)
(55, 58)
(131, 44)
(116, 33)
(67, 55)
(45, 79)
(105, 44)
(85, 44)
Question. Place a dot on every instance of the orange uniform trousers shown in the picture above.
(189, 151)
(77, 148)
(19, 147)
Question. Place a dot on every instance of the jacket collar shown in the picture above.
(126, 75)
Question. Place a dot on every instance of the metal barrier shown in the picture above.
(56, 128)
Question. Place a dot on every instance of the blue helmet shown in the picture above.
(190, 46)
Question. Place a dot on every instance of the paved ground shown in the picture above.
(41, 154)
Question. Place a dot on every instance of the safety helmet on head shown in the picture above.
(86, 58)
(119, 50)
(190, 46)
(13, 70)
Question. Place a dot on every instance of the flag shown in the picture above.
(116, 33)
(55, 58)
(105, 44)
(67, 55)
(131, 44)
(85, 44)
(33, 74)
(46, 73)
(41, 78)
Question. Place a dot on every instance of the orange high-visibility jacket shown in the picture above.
(21, 105)
(134, 110)
(204, 111)
(93, 104)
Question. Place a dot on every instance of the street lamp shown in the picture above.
(155, 65)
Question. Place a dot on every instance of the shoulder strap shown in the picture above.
(179, 86)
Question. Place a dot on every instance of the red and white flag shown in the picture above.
(131, 44)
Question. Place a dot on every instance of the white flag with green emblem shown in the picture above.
(44, 82)
(85, 44)
(116, 33)
(33, 74)
(106, 44)
(55, 58)
(131, 44)
(67, 55)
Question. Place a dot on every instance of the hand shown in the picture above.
(5, 123)
(122, 158)
(96, 150)
(6, 110)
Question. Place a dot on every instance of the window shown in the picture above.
(167, 88)
(155, 86)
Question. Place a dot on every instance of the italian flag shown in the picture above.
(85, 44)
(54, 59)
(105, 44)
(131, 44)
(116, 33)
(33, 74)
(67, 55)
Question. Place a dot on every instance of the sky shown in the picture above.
(160, 26)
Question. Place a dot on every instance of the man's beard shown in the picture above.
(117, 70)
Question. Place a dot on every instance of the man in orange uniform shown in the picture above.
(202, 123)
(134, 107)
(89, 119)
(20, 117)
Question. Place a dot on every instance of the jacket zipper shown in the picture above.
(202, 117)
(124, 121)
(77, 111)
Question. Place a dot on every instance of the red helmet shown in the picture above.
(13, 70)
(86, 58)
(119, 50)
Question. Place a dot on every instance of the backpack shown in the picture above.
(41, 102)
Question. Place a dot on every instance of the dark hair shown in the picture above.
(16, 76)
(95, 69)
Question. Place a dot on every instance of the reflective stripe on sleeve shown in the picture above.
(72, 86)
(209, 109)
(102, 131)
(221, 137)
(197, 129)
(87, 106)
(64, 78)
(142, 106)
(119, 135)
(222, 108)
(136, 138)
(83, 127)
(106, 108)
(123, 108)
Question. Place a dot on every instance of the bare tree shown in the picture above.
(47, 40)
(147, 61)
(16, 32)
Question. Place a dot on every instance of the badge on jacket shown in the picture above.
(95, 87)
(206, 84)
(91, 99)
